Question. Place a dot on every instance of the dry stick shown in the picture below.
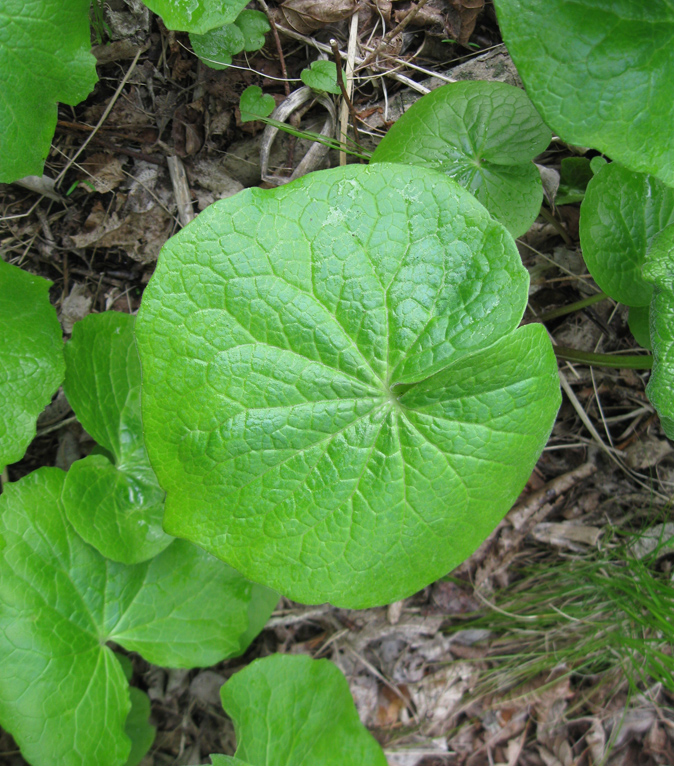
(104, 117)
(350, 66)
(345, 96)
(418, 87)
(181, 190)
(405, 21)
(279, 49)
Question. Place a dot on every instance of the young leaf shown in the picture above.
(485, 136)
(217, 46)
(63, 694)
(575, 174)
(638, 319)
(196, 16)
(138, 728)
(254, 104)
(115, 506)
(659, 269)
(600, 73)
(621, 213)
(281, 339)
(322, 75)
(293, 710)
(254, 26)
(31, 357)
(44, 59)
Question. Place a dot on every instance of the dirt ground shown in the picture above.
(424, 678)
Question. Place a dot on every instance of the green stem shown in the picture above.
(617, 361)
(577, 306)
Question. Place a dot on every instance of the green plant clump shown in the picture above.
(336, 400)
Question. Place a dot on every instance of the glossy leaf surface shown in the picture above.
(255, 104)
(63, 693)
(216, 47)
(44, 59)
(116, 507)
(138, 728)
(621, 213)
(281, 339)
(321, 75)
(31, 358)
(485, 136)
(600, 72)
(659, 269)
(293, 710)
(197, 16)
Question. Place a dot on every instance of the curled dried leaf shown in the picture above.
(307, 16)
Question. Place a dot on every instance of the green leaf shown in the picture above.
(600, 73)
(574, 176)
(138, 728)
(485, 136)
(44, 59)
(254, 26)
(293, 710)
(118, 506)
(31, 357)
(216, 47)
(196, 16)
(621, 213)
(659, 269)
(281, 337)
(322, 75)
(63, 693)
(254, 104)
(639, 324)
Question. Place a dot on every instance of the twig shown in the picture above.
(350, 66)
(181, 190)
(345, 96)
(409, 16)
(279, 49)
(104, 117)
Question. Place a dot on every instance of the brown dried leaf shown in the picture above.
(188, 129)
(308, 16)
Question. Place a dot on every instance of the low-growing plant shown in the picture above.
(336, 396)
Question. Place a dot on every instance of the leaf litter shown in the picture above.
(466, 671)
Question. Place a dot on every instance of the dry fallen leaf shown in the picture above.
(307, 16)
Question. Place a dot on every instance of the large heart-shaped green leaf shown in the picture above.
(621, 213)
(600, 72)
(293, 710)
(31, 357)
(659, 269)
(63, 694)
(197, 16)
(116, 507)
(485, 136)
(44, 59)
(281, 339)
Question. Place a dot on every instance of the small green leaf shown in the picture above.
(254, 26)
(574, 176)
(282, 338)
(216, 47)
(597, 163)
(116, 507)
(44, 59)
(196, 16)
(254, 104)
(639, 324)
(621, 213)
(659, 269)
(293, 710)
(322, 75)
(612, 88)
(485, 136)
(138, 728)
(31, 357)
(63, 694)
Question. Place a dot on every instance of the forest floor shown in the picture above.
(520, 656)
